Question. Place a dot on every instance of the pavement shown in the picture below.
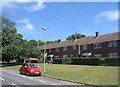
(12, 78)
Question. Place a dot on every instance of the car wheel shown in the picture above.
(28, 74)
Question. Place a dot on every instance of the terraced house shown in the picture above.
(98, 46)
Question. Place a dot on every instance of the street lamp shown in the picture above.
(44, 29)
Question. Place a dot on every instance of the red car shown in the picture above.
(30, 69)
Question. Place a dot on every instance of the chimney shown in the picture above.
(59, 41)
(97, 34)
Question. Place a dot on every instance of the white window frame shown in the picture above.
(50, 50)
(65, 56)
(97, 55)
(56, 56)
(56, 49)
(112, 44)
(113, 55)
(65, 48)
(74, 47)
(84, 47)
(97, 46)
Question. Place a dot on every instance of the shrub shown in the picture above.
(88, 61)
(57, 60)
(85, 61)
(112, 61)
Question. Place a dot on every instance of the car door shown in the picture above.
(24, 68)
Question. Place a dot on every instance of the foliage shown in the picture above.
(57, 60)
(13, 44)
(76, 35)
(53, 41)
(7, 22)
(11, 41)
(61, 60)
(88, 61)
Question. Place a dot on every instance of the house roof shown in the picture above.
(84, 41)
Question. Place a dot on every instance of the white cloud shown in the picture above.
(26, 25)
(108, 16)
(7, 4)
(37, 6)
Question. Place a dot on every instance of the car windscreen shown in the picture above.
(32, 66)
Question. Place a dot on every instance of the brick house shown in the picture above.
(97, 46)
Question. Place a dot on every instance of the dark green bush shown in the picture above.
(57, 60)
(112, 61)
(85, 61)
(88, 61)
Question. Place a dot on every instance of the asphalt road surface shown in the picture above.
(12, 78)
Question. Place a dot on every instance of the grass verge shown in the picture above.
(96, 75)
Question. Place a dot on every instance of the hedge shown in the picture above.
(85, 61)
(57, 60)
(112, 61)
(88, 61)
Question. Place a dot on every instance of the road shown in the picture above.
(12, 78)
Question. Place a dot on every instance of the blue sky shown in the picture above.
(62, 19)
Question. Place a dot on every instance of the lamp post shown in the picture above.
(44, 29)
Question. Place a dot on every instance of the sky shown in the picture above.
(61, 19)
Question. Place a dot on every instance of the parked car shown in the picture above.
(30, 69)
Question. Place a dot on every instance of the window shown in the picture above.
(112, 44)
(98, 55)
(56, 56)
(74, 47)
(96, 46)
(57, 50)
(84, 47)
(113, 55)
(50, 50)
(64, 48)
(65, 56)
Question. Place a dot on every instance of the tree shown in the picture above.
(11, 41)
(76, 35)
(13, 44)
(40, 42)
(7, 22)
(32, 43)
(53, 41)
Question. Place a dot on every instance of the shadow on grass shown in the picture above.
(9, 64)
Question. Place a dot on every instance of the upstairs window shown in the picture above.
(97, 46)
(74, 47)
(112, 44)
(84, 47)
(57, 50)
(64, 48)
(50, 50)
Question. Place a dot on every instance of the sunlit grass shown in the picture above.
(100, 75)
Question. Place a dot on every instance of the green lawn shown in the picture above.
(100, 75)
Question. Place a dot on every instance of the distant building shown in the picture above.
(98, 46)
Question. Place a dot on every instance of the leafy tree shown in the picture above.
(13, 45)
(40, 42)
(7, 22)
(32, 43)
(53, 41)
(73, 36)
(11, 41)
